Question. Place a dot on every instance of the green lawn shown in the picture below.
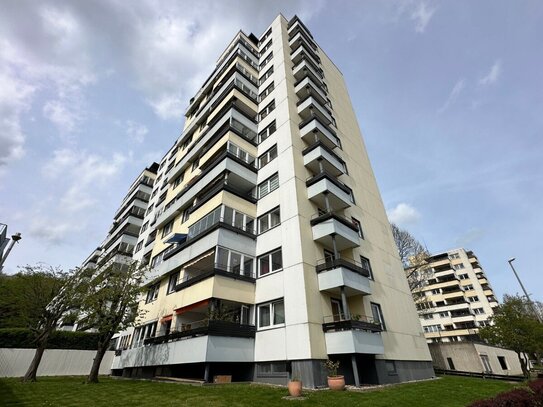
(71, 391)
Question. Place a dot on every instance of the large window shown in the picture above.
(267, 132)
(271, 184)
(234, 262)
(152, 293)
(267, 156)
(377, 313)
(167, 229)
(269, 220)
(172, 282)
(270, 263)
(271, 314)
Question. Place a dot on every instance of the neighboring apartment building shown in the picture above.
(269, 243)
(458, 296)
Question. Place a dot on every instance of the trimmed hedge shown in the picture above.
(531, 396)
(23, 338)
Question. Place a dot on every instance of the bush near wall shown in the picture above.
(531, 396)
(23, 338)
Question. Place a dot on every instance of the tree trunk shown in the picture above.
(32, 371)
(102, 348)
(523, 365)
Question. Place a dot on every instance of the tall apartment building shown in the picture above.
(459, 298)
(119, 244)
(268, 240)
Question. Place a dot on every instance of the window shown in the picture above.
(436, 291)
(486, 363)
(271, 314)
(468, 287)
(267, 132)
(377, 313)
(266, 92)
(432, 328)
(458, 266)
(186, 215)
(234, 262)
(453, 256)
(138, 246)
(356, 222)
(178, 180)
(172, 282)
(503, 362)
(187, 142)
(271, 184)
(195, 164)
(478, 311)
(152, 293)
(269, 220)
(267, 156)
(428, 316)
(463, 276)
(270, 263)
(267, 60)
(144, 227)
(268, 73)
(266, 111)
(473, 299)
(391, 367)
(265, 36)
(266, 47)
(157, 259)
(365, 263)
(167, 229)
(444, 314)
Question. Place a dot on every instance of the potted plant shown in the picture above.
(295, 387)
(335, 381)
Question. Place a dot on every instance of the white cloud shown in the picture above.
(136, 131)
(493, 75)
(403, 214)
(61, 115)
(453, 95)
(469, 237)
(422, 14)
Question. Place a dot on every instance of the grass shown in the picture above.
(71, 391)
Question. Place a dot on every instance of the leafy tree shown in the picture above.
(37, 298)
(414, 258)
(111, 305)
(515, 326)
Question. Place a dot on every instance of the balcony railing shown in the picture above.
(318, 218)
(205, 327)
(335, 323)
(325, 174)
(218, 270)
(332, 263)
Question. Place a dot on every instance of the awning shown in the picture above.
(196, 260)
(166, 318)
(182, 310)
(177, 238)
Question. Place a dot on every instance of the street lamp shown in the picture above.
(14, 239)
(510, 261)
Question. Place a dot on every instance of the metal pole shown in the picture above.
(510, 261)
(14, 239)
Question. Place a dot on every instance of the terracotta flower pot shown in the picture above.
(295, 388)
(336, 382)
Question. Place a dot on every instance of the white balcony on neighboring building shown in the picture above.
(331, 226)
(314, 130)
(324, 186)
(331, 163)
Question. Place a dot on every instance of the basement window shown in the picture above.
(503, 362)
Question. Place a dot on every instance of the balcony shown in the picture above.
(301, 38)
(314, 129)
(201, 341)
(330, 161)
(302, 52)
(306, 69)
(336, 273)
(331, 227)
(347, 336)
(307, 87)
(295, 25)
(324, 186)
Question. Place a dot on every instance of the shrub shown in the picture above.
(24, 338)
(537, 388)
(521, 397)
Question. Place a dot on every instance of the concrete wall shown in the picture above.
(55, 362)
(466, 356)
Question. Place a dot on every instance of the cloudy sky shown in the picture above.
(449, 96)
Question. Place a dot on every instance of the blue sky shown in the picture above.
(449, 97)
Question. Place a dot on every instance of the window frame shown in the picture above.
(171, 289)
(269, 255)
(269, 184)
(376, 306)
(267, 131)
(272, 315)
(268, 216)
(152, 293)
(365, 259)
(267, 154)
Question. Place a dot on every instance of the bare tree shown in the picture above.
(414, 257)
(111, 305)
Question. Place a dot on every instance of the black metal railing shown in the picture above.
(205, 327)
(218, 270)
(330, 177)
(318, 218)
(331, 263)
(337, 323)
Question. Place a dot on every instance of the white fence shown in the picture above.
(55, 362)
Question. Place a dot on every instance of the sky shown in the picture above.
(449, 97)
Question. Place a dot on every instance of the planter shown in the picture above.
(336, 382)
(295, 388)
